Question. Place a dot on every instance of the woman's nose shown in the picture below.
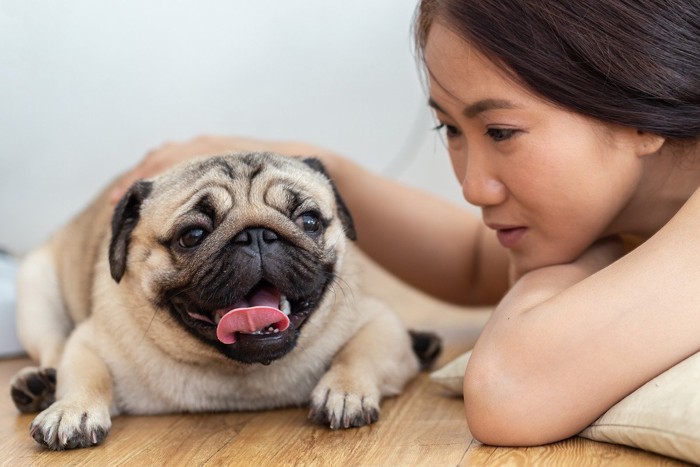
(481, 185)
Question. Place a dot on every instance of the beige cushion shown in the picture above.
(663, 416)
(451, 375)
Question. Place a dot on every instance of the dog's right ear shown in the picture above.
(126, 216)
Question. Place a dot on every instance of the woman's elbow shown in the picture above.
(502, 413)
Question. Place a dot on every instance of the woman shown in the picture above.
(573, 125)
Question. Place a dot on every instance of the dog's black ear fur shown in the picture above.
(343, 211)
(126, 216)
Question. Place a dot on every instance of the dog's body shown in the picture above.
(227, 283)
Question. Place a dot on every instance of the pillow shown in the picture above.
(451, 376)
(663, 416)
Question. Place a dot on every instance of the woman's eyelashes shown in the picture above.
(450, 130)
(501, 134)
(496, 134)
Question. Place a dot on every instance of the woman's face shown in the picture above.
(549, 181)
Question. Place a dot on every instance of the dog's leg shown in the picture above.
(42, 319)
(80, 416)
(44, 325)
(376, 362)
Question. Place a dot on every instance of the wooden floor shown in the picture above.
(424, 426)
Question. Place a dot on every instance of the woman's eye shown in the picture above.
(500, 134)
(310, 223)
(192, 237)
(450, 130)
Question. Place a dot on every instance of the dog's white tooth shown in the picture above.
(285, 307)
(217, 316)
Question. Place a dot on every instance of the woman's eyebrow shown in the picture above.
(478, 107)
(432, 103)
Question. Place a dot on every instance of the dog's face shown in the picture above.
(239, 249)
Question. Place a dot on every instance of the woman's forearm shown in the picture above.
(564, 346)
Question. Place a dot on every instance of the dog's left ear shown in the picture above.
(343, 211)
(126, 216)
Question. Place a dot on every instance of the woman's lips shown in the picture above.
(509, 237)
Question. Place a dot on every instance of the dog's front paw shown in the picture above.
(67, 425)
(344, 404)
(33, 389)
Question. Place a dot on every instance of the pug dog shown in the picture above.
(227, 283)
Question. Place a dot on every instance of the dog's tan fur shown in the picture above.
(116, 352)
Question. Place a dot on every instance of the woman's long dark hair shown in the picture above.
(630, 62)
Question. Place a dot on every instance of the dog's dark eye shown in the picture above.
(310, 222)
(192, 237)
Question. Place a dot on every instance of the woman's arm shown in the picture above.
(432, 244)
(567, 343)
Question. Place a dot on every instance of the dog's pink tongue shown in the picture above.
(258, 315)
(249, 320)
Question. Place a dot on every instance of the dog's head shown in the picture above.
(240, 249)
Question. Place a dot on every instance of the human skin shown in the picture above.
(562, 179)
(580, 328)
(585, 321)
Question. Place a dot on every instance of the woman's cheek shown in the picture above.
(459, 165)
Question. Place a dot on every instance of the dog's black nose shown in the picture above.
(255, 240)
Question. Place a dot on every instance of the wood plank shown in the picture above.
(423, 426)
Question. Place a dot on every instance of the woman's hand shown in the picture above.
(169, 154)
(599, 255)
(535, 287)
(602, 253)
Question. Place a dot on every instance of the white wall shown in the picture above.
(88, 87)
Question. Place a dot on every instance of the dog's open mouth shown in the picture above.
(263, 312)
(260, 327)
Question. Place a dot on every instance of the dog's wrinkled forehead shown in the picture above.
(214, 200)
(216, 185)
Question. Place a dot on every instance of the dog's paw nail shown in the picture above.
(334, 422)
(372, 415)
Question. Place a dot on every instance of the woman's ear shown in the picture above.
(648, 143)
